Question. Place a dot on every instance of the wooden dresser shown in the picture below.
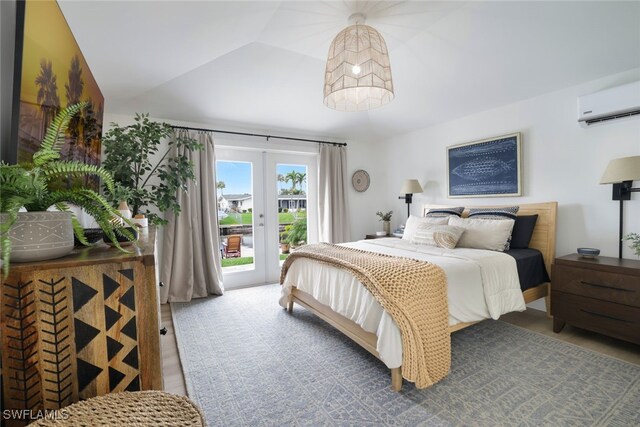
(80, 326)
(600, 294)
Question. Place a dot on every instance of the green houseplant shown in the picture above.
(284, 244)
(634, 238)
(138, 161)
(296, 233)
(386, 221)
(35, 185)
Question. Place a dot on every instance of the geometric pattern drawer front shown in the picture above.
(69, 334)
(38, 352)
(56, 347)
(106, 334)
(21, 386)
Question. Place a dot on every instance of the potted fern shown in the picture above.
(38, 234)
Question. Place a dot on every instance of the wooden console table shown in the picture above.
(80, 326)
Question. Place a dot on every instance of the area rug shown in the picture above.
(248, 362)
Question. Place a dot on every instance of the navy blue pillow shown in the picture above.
(522, 231)
(508, 212)
(444, 212)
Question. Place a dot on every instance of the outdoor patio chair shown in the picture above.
(231, 248)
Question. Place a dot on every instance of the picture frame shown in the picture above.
(490, 167)
(50, 73)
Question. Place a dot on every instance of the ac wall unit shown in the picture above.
(610, 104)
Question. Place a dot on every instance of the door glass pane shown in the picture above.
(292, 207)
(235, 214)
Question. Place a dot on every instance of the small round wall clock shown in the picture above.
(360, 180)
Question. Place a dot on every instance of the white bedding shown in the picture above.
(481, 284)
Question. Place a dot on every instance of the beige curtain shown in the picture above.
(332, 194)
(191, 249)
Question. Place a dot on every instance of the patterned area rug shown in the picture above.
(248, 362)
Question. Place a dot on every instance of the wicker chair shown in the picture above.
(232, 247)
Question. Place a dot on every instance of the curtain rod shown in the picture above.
(339, 144)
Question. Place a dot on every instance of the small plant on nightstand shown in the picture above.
(634, 238)
(386, 221)
(385, 216)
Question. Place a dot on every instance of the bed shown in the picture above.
(381, 339)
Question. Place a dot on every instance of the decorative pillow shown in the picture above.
(491, 234)
(414, 221)
(522, 231)
(509, 212)
(445, 212)
(442, 236)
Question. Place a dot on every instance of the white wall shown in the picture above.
(561, 161)
(363, 206)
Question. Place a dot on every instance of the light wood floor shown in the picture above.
(171, 367)
(531, 319)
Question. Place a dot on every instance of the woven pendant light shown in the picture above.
(358, 73)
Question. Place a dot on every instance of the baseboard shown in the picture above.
(537, 305)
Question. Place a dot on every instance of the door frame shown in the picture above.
(267, 268)
(310, 160)
(238, 279)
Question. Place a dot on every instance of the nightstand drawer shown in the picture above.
(603, 285)
(608, 318)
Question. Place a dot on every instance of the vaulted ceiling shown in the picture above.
(260, 64)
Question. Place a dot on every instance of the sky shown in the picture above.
(237, 176)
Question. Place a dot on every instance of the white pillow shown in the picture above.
(491, 234)
(414, 221)
(441, 236)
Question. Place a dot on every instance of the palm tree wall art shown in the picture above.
(51, 66)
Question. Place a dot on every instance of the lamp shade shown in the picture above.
(411, 186)
(358, 73)
(620, 170)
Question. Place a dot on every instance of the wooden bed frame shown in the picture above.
(543, 239)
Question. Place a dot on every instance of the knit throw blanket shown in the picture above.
(413, 292)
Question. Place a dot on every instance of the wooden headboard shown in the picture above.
(544, 233)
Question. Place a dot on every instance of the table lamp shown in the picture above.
(621, 173)
(409, 188)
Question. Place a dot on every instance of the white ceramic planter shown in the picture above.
(36, 236)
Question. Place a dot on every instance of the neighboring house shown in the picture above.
(292, 201)
(235, 202)
(223, 204)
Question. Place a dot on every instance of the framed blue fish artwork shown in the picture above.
(487, 168)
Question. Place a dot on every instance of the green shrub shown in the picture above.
(297, 232)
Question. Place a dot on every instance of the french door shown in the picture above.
(266, 202)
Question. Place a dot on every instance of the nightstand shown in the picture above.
(600, 294)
